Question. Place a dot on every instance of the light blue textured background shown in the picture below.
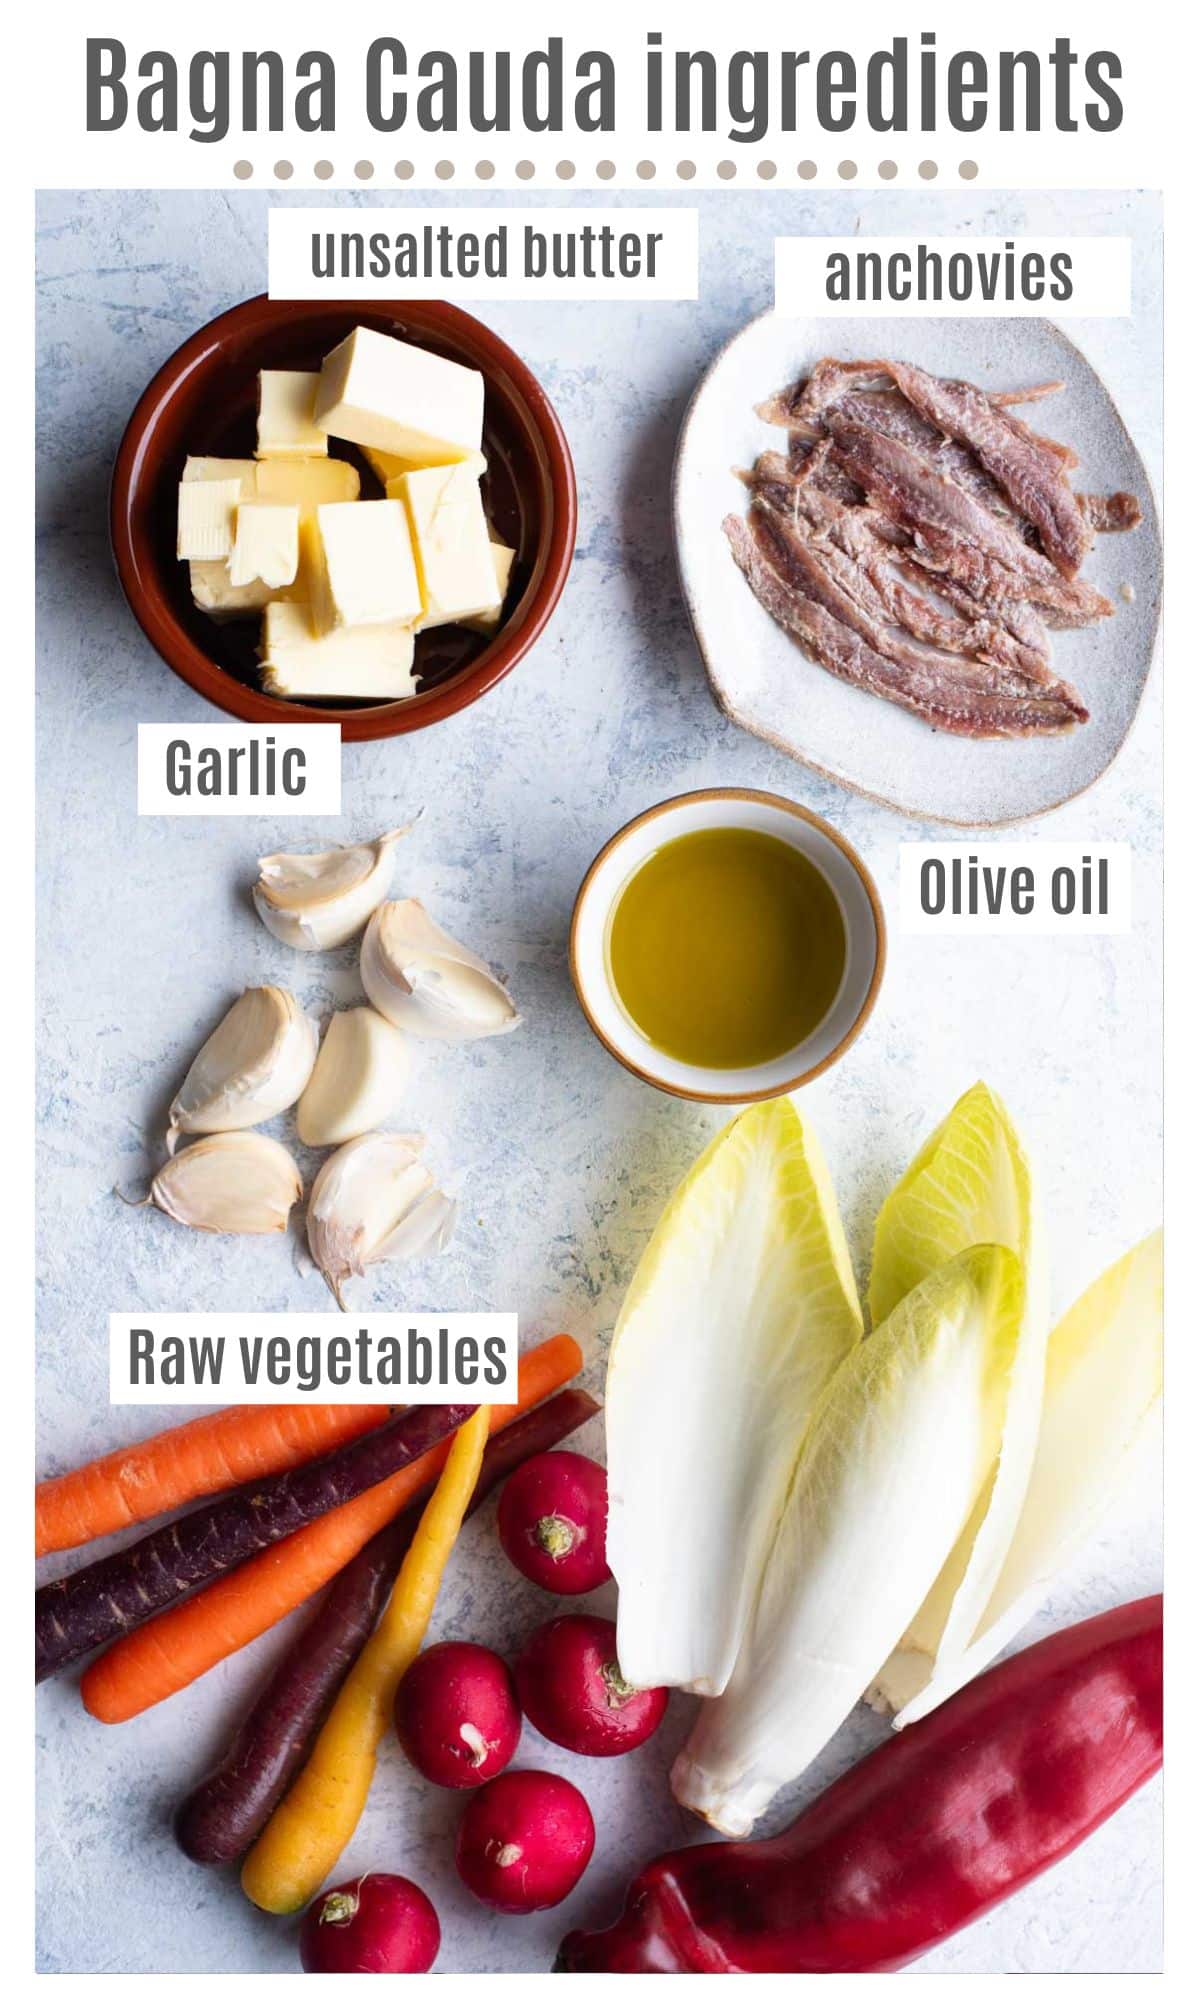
(563, 1162)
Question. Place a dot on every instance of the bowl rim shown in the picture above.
(757, 796)
(192, 664)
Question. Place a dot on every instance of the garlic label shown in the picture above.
(372, 1202)
(234, 1183)
(422, 980)
(254, 1064)
(358, 1081)
(316, 902)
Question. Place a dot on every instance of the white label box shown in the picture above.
(370, 1357)
(483, 253)
(201, 769)
(953, 277)
(1019, 888)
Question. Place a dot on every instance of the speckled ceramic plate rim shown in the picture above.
(725, 701)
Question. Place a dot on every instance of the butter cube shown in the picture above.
(212, 592)
(388, 465)
(503, 559)
(354, 663)
(401, 399)
(302, 482)
(266, 544)
(218, 597)
(450, 537)
(242, 469)
(364, 572)
(309, 483)
(206, 518)
(286, 427)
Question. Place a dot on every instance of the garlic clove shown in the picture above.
(372, 1202)
(233, 1183)
(255, 1063)
(316, 902)
(420, 979)
(423, 1232)
(359, 1078)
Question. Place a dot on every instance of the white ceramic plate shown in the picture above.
(760, 676)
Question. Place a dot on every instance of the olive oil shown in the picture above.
(726, 947)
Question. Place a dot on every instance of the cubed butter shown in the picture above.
(212, 592)
(389, 465)
(502, 559)
(206, 518)
(309, 483)
(219, 598)
(352, 664)
(286, 425)
(301, 482)
(363, 570)
(266, 544)
(241, 469)
(450, 538)
(382, 392)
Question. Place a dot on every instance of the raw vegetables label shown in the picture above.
(296, 1358)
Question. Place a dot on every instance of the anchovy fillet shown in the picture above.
(918, 540)
(958, 532)
(965, 697)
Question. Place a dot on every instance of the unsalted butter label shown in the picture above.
(367, 1357)
(230, 767)
(482, 253)
(1026, 888)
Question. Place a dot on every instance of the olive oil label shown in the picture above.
(1033, 888)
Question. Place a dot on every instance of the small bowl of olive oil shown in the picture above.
(727, 945)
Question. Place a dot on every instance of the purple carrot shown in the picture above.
(108, 1598)
(225, 1813)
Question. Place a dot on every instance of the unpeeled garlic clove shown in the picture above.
(359, 1078)
(233, 1183)
(374, 1201)
(254, 1064)
(421, 980)
(316, 902)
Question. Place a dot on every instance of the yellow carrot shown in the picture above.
(305, 1835)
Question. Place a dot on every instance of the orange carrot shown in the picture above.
(228, 1448)
(172, 1650)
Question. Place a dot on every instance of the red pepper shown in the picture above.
(930, 1831)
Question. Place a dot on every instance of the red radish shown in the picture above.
(524, 1841)
(572, 1690)
(457, 1716)
(552, 1518)
(379, 1923)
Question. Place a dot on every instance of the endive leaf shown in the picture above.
(970, 1183)
(740, 1310)
(900, 1445)
(1103, 1395)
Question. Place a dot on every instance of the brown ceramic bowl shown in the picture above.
(202, 401)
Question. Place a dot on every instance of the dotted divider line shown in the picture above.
(605, 170)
